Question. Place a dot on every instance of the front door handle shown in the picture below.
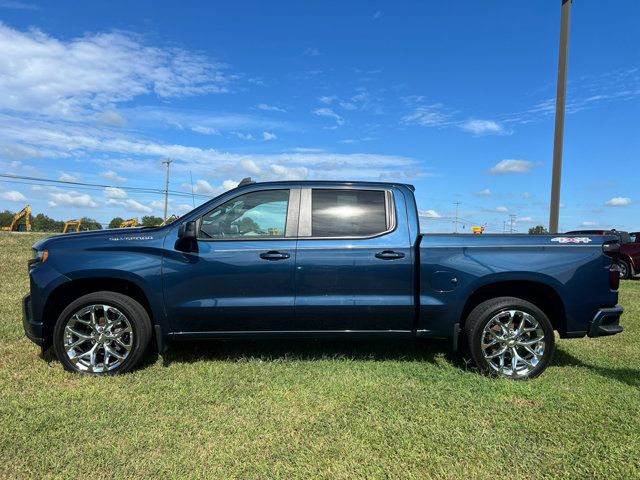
(273, 255)
(389, 255)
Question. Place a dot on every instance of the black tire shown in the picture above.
(625, 269)
(481, 315)
(136, 315)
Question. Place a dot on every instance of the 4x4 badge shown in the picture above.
(571, 239)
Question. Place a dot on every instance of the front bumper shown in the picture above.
(32, 328)
(606, 322)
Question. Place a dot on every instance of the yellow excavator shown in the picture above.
(132, 222)
(16, 225)
(72, 226)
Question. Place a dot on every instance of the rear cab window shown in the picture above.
(337, 213)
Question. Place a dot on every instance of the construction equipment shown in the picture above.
(16, 226)
(169, 220)
(72, 226)
(479, 230)
(132, 222)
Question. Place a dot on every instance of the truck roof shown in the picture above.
(248, 181)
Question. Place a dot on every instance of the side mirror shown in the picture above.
(188, 231)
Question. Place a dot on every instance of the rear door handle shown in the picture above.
(389, 255)
(273, 255)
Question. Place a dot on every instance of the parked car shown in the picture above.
(317, 260)
(629, 259)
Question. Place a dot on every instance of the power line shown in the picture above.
(455, 222)
(167, 162)
(9, 178)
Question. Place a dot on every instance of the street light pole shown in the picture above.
(554, 213)
(166, 190)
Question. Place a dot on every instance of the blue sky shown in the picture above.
(456, 99)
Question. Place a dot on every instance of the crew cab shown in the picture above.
(629, 256)
(317, 260)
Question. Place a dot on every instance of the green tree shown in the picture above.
(151, 221)
(538, 230)
(90, 224)
(115, 222)
(6, 218)
(44, 223)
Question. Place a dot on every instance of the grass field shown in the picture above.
(316, 410)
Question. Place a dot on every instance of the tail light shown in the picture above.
(614, 276)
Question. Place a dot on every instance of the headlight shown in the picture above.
(38, 256)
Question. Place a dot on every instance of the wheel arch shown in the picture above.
(69, 291)
(544, 296)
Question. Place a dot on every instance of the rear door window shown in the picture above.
(348, 213)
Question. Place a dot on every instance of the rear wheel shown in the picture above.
(510, 337)
(102, 332)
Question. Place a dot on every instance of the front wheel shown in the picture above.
(510, 337)
(625, 270)
(101, 333)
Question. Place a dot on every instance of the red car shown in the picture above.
(629, 260)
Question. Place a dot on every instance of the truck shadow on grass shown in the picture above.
(428, 351)
(629, 376)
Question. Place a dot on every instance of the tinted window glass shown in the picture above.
(624, 237)
(347, 213)
(258, 214)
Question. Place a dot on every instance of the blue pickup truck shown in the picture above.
(317, 260)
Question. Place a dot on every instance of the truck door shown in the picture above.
(241, 276)
(354, 266)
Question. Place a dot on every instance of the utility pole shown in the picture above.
(457, 204)
(512, 218)
(167, 162)
(504, 226)
(554, 213)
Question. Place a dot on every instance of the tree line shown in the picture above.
(44, 223)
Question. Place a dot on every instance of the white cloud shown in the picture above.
(71, 199)
(203, 187)
(128, 154)
(184, 208)
(524, 219)
(67, 177)
(512, 166)
(131, 205)
(527, 195)
(427, 116)
(268, 136)
(111, 175)
(111, 117)
(65, 78)
(282, 172)
(482, 127)
(114, 192)
(589, 224)
(618, 202)
(13, 196)
(312, 52)
(242, 135)
(205, 130)
(327, 99)
(502, 209)
(269, 108)
(18, 152)
(484, 193)
(251, 167)
(329, 113)
(429, 214)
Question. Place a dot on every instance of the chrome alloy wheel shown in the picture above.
(513, 343)
(98, 338)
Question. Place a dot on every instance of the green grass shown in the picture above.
(316, 410)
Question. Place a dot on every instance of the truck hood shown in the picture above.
(109, 234)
